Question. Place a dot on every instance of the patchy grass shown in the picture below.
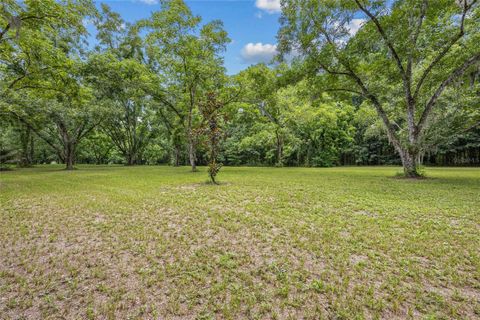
(267, 243)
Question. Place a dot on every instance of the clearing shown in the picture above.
(268, 243)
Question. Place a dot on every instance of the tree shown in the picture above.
(321, 128)
(40, 70)
(96, 147)
(260, 88)
(210, 109)
(121, 87)
(61, 110)
(402, 60)
(35, 38)
(188, 56)
(122, 80)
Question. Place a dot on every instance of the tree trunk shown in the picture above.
(408, 154)
(26, 140)
(176, 156)
(191, 142)
(191, 153)
(131, 160)
(409, 162)
(69, 155)
(32, 149)
(307, 158)
(279, 149)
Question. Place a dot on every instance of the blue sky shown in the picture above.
(251, 25)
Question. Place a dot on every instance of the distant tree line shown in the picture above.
(404, 89)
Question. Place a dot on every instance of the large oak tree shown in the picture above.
(401, 61)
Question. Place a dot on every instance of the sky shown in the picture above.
(251, 25)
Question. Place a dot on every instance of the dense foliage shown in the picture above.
(403, 89)
(406, 61)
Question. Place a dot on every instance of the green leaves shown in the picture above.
(401, 56)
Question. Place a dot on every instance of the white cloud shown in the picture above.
(355, 25)
(270, 6)
(258, 15)
(258, 52)
(148, 1)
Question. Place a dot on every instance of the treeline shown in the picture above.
(156, 91)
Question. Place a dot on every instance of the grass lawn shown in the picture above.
(268, 243)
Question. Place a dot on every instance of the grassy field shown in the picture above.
(268, 243)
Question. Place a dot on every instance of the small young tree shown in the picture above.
(210, 110)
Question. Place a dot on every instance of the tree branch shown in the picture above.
(343, 89)
(453, 75)
(328, 70)
(37, 132)
(9, 25)
(415, 35)
(473, 126)
(385, 38)
(378, 107)
(445, 50)
(88, 130)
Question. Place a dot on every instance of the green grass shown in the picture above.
(268, 243)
